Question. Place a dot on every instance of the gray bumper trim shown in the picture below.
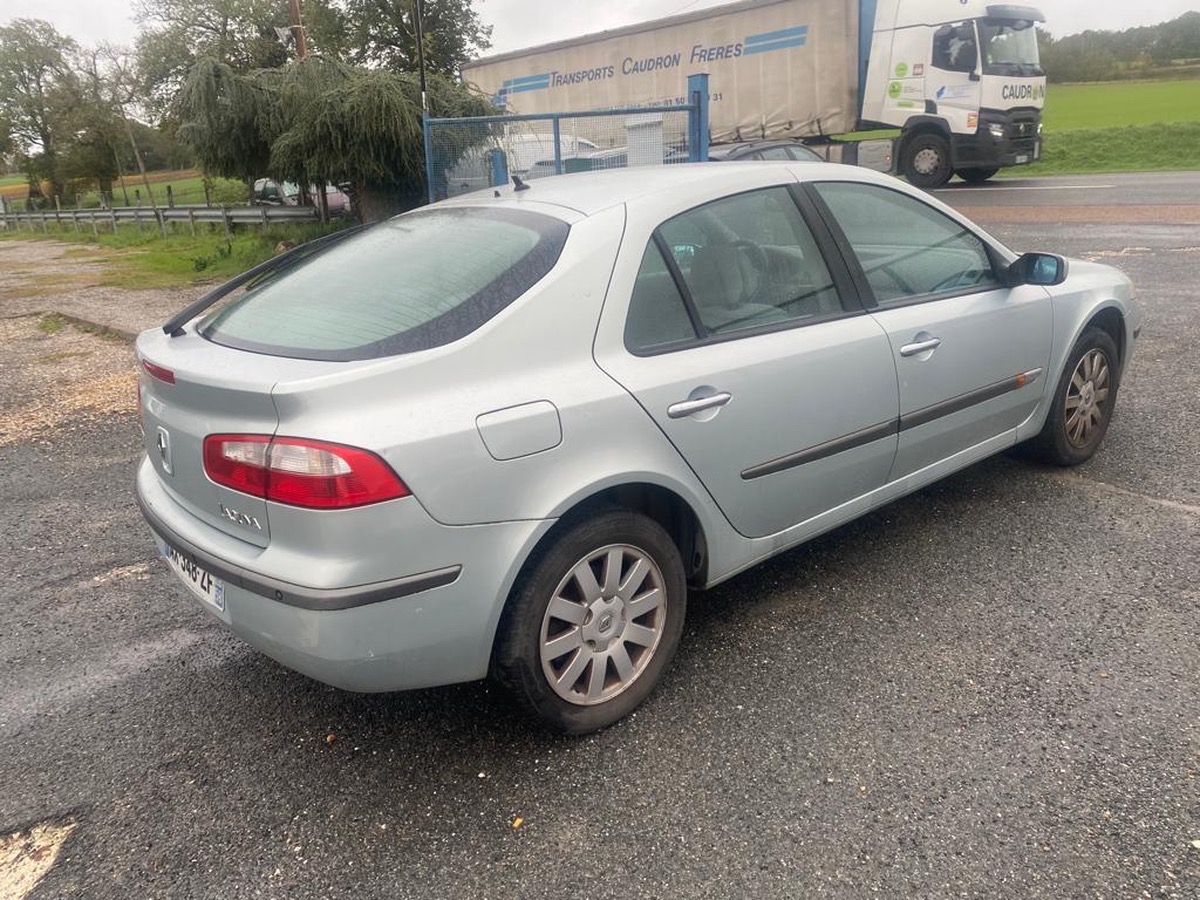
(294, 594)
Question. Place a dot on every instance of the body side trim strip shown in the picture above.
(970, 398)
(821, 451)
(886, 429)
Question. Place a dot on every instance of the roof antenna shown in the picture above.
(518, 184)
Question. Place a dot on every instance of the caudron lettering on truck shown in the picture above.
(630, 65)
(1023, 92)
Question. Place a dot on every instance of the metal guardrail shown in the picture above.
(229, 215)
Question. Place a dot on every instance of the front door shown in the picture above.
(970, 353)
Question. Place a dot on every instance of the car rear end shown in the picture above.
(282, 428)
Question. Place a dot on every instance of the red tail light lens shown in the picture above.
(163, 374)
(299, 472)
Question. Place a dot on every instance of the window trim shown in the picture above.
(850, 258)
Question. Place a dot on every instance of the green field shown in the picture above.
(1112, 104)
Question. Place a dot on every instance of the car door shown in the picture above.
(970, 352)
(735, 340)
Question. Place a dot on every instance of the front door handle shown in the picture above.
(688, 407)
(920, 346)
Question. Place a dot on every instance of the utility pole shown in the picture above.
(421, 54)
(297, 28)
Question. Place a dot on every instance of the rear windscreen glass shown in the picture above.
(414, 282)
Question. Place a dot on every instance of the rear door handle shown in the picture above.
(687, 407)
(920, 346)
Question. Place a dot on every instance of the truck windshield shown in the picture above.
(1010, 48)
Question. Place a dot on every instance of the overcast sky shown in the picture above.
(524, 23)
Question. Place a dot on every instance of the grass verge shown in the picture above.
(144, 259)
(1133, 148)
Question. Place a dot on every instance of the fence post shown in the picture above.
(170, 198)
(556, 128)
(228, 227)
(95, 230)
(57, 213)
(45, 230)
(112, 212)
(192, 220)
(262, 212)
(75, 219)
(698, 119)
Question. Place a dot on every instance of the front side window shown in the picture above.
(414, 282)
(954, 48)
(748, 261)
(907, 249)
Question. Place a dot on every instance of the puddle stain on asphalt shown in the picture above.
(26, 857)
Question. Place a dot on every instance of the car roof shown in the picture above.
(590, 192)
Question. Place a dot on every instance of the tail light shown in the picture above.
(299, 472)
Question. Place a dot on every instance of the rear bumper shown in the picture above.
(423, 628)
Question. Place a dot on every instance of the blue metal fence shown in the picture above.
(486, 151)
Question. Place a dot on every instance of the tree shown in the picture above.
(384, 33)
(319, 120)
(176, 34)
(38, 93)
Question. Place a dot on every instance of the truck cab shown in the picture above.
(961, 79)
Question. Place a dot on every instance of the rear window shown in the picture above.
(414, 282)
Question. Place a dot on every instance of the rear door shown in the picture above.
(970, 353)
(729, 329)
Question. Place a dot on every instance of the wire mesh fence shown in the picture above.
(469, 154)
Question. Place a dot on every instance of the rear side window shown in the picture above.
(414, 282)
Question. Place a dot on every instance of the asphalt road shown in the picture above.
(988, 689)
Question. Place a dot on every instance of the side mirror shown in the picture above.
(1044, 269)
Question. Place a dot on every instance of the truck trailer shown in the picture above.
(960, 79)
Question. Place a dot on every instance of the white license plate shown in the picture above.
(1022, 158)
(195, 577)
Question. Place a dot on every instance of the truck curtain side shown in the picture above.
(959, 78)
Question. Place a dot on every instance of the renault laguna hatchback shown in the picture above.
(506, 434)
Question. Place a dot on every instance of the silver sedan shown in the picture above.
(506, 434)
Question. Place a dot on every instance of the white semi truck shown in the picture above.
(960, 78)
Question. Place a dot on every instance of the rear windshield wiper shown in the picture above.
(273, 266)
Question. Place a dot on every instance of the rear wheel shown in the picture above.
(976, 176)
(1083, 402)
(594, 622)
(926, 161)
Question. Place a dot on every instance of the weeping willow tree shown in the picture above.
(317, 120)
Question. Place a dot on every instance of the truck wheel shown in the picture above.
(926, 162)
(591, 627)
(1083, 402)
(976, 176)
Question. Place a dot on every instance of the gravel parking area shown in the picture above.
(988, 689)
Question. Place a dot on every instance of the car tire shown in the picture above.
(926, 162)
(976, 176)
(593, 622)
(1083, 402)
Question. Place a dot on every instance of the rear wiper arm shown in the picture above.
(274, 265)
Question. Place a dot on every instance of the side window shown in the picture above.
(775, 153)
(954, 48)
(658, 316)
(906, 248)
(750, 260)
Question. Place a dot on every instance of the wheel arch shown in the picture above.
(920, 125)
(658, 502)
(1109, 319)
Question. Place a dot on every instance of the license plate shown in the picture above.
(195, 577)
(1022, 158)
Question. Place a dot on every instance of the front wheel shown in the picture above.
(926, 161)
(976, 176)
(1083, 402)
(593, 624)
